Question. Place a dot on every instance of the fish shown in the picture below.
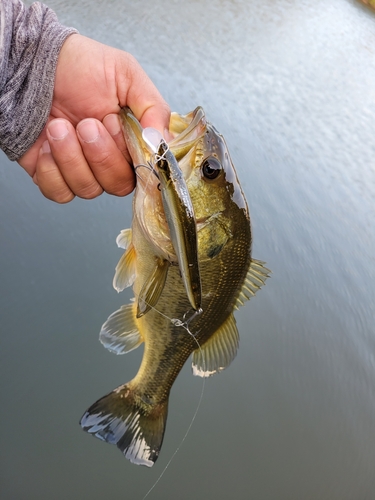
(134, 415)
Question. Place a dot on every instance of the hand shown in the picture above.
(81, 151)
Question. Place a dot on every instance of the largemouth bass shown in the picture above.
(133, 416)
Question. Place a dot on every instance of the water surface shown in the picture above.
(291, 87)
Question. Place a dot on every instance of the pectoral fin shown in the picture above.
(218, 352)
(255, 279)
(120, 334)
(125, 269)
(152, 288)
(124, 239)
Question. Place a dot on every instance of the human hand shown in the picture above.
(81, 150)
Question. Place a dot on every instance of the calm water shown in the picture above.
(291, 87)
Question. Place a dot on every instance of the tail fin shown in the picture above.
(123, 418)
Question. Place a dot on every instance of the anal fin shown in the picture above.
(120, 333)
(218, 352)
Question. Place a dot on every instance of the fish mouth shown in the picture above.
(186, 131)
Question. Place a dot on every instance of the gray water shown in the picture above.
(290, 85)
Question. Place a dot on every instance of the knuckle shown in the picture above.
(130, 64)
(102, 160)
(68, 162)
(89, 191)
(121, 189)
(59, 194)
(63, 198)
(165, 108)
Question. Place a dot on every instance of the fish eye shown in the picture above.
(211, 168)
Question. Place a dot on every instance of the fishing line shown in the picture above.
(185, 325)
(151, 137)
(158, 157)
(147, 166)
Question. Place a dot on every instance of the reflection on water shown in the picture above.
(290, 86)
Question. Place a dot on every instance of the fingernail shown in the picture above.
(88, 130)
(112, 124)
(45, 148)
(58, 130)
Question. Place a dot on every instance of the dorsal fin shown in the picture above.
(255, 279)
(219, 350)
(120, 333)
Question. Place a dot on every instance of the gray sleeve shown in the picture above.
(30, 42)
